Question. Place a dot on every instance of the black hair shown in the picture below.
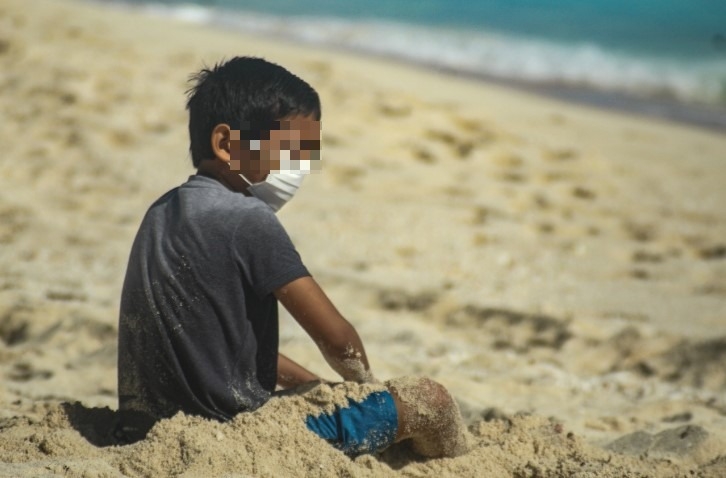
(247, 93)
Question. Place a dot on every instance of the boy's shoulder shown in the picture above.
(203, 202)
(211, 196)
(230, 210)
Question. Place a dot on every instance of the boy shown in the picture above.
(198, 329)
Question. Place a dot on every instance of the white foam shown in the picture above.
(185, 12)
(488, 53)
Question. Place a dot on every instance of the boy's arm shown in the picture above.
(336, 338)
(291, 374)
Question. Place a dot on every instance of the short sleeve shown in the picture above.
(266, 253)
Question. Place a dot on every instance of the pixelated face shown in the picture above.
(293, 144)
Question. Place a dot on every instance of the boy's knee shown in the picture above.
(435, 395)
(429, 415)
(422, 399)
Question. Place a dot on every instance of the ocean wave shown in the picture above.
(497, 55)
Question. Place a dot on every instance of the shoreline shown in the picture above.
(702, 116)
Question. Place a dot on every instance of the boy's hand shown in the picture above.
(291, 374)
(336, 338)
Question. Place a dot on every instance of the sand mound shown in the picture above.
(273, 441)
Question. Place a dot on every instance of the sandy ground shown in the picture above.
(561, 270)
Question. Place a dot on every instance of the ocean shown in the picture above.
(661, 57)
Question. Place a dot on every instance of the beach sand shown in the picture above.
(561, 270)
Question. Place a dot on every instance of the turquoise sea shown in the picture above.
(665, 57)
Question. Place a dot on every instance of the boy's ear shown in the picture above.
(222, 146)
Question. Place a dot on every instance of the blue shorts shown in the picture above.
(361, 427)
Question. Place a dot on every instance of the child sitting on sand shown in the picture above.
(198, 328)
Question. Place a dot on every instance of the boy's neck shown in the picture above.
(218, 170)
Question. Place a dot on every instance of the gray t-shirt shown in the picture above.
(198, 328)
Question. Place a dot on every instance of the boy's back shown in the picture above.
(188, 339)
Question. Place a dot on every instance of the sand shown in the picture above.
(561, 270)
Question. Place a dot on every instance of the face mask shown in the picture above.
(279, 187)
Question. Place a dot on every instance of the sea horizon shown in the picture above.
(681, 80)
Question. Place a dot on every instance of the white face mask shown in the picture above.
(279, 187)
